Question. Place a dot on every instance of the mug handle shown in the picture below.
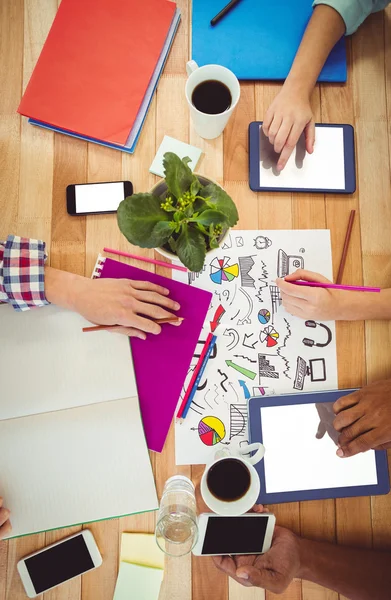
(191, 66)
(259, 454)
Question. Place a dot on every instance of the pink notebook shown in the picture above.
(161, 362)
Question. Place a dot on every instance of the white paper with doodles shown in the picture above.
(260, 349)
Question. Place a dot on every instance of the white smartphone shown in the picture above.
(59, 562)
(251, 533)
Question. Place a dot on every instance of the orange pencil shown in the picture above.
(104, 327)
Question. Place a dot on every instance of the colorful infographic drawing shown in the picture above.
(261, 349)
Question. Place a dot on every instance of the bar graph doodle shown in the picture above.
(238, 420)
(276, 299)
(246, 263)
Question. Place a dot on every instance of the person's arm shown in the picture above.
(26, 283)
(290, 112)
(353, 573)
(127, 303)
(330, 304)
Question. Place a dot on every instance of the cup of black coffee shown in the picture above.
(230, 485)
(212, 93)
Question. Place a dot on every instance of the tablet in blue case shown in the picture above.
(300, 461)
(329, 169)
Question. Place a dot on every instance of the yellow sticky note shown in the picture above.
(137, 583)
(141, 549)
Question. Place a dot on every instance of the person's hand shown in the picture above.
(129, 304)
(321, 304)
(5, 525)
(287, 117)
(364, 419)
(273, 570)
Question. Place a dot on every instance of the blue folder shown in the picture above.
(256, 435)
(258, 39)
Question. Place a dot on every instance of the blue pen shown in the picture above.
(197, 381)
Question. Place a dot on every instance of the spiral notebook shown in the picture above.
(161, 362)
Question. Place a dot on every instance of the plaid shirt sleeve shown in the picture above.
(22, 267)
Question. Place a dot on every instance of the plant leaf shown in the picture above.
(213, 243)
(137, 217)
(222, 202)
(162, 232)
(178, 175)
(189, 211)
(191, 248)
(172, 243)
(212, 217)
(195, 186)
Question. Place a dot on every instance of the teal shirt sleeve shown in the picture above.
(354, 12)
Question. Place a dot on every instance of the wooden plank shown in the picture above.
(275, 212)
(103, 164)
(236, 136)
(179, 53)
(68, 233)
(353, 515)
(172, 118)
(37, 146)
(11, 73)
(239, 592)
(376, 209)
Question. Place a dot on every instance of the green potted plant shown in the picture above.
(183, 216)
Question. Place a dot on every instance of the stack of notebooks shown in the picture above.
(99, 68)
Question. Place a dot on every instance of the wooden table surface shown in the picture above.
(36, 166)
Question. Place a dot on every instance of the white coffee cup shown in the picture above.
(246, 502)
(206, 125)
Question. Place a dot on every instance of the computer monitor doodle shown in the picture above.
(316, 370)
(287, 264)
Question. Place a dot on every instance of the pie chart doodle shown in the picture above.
(264, 316)
(211, 431)
(270, 336)
(221, 270)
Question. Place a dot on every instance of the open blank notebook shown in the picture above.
(72, 445)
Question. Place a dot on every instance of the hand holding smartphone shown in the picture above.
(251, 533)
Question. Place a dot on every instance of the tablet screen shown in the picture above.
(296, 459)
(322, 170)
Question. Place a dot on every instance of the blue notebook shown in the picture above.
(300, 460)
(258, 39)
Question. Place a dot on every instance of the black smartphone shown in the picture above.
(97, 198)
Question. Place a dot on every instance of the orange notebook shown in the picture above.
(96, 64)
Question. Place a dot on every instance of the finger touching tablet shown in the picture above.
(330, 168)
